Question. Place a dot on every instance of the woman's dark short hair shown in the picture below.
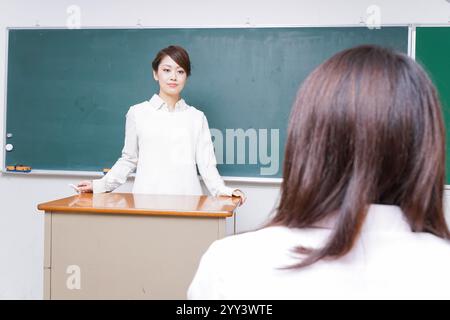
(366, 127)
(178, 54)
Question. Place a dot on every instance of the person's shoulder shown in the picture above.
(269, 237)
(429, 256)
(419, 251)
(268, 248)
(195, 111)
(140, 105)
(192, 109)
(433, 245)
(238, 241)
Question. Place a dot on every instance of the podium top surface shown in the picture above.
(144, 204)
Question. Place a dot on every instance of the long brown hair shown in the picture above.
(366, 127)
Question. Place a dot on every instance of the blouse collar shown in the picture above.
(159, 104)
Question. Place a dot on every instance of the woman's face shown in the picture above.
(171, 77)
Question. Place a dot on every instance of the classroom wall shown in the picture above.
(21, 225)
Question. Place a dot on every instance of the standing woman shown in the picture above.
(165, 139)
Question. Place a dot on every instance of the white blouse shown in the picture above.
(165, 147)
(388, 261)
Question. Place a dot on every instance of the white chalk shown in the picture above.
(74, 187)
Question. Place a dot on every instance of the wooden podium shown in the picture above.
(128, 246)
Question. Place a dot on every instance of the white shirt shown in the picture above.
(388, 261)
(165, 147)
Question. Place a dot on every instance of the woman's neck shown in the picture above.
(170, 100)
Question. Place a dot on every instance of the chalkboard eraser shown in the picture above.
(106, 170)
(18, 168)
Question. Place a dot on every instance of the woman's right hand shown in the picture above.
(85, 186)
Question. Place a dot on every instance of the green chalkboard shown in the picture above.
(68, 90)
(433, 52)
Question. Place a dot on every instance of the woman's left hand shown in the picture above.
(239, 193)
